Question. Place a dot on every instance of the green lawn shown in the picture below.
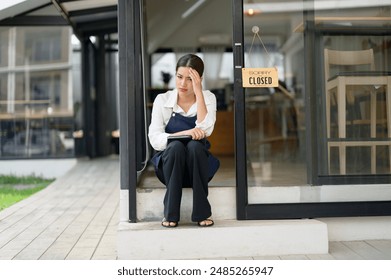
(14, 189)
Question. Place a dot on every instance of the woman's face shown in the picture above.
(183, 81)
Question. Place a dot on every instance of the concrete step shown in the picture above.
(228, 238)
(150, 203)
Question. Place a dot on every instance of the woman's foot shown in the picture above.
(206, 223)
(169, 224)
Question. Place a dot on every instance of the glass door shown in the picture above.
(282, 158)
(271, 147)
(275, 116)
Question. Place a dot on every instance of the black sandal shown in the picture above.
(169, 224)
(206, 223)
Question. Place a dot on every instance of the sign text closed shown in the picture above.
(260, 77)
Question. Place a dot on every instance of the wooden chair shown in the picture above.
(345, 87)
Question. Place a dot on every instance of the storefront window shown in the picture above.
(35, 96)
(354, 43)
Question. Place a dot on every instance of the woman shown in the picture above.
(186, 110)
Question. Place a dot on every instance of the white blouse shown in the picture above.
(165, 104)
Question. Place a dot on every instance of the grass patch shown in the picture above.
(14, 189)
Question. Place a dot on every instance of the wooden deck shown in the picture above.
(76, 217)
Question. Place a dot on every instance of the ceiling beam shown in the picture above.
(89, 28)
(97, 25)
(92, 11)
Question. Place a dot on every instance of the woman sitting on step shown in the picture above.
(181, 120)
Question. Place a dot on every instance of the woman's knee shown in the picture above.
(175, 149)
(176, 146)
(196, 147)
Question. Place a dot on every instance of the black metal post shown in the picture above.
(102, 100)
(89, 126)
(128, 15)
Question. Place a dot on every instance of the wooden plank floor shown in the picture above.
(76, 217)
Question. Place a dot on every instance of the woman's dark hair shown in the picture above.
(193, 61)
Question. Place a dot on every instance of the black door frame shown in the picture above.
(246, 211)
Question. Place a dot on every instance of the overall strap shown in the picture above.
(178, 122)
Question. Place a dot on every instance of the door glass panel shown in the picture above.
(275, 127)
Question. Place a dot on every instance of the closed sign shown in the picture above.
(260, 77)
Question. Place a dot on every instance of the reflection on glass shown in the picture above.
(3, 47)
(36, 116)
(359, 136)
(275, 139)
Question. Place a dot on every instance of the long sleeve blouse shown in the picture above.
(165, 105)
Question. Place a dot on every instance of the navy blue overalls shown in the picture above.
(185, 165)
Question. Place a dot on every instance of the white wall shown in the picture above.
(45, 168)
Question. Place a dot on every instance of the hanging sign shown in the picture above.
(259, 77)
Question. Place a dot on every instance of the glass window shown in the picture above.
(47, 87)
(3, 47)
(355, 47)
(42, 45)
(43, 48)
(36, 117)
(3, 87)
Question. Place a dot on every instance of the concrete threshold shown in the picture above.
(227, 238)
(358, 228)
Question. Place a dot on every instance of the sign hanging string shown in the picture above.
(259, 77)
(255, 30)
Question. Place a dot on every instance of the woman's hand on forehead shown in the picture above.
(194, 74)
(196, 80)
